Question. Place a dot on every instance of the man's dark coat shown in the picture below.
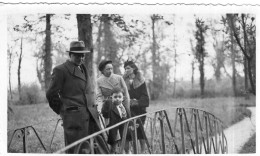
(68, 95)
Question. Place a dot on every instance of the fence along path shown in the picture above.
(172, 130)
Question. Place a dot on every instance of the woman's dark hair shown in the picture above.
(103, 63)
(132, 65)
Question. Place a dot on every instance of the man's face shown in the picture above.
(117, 98)
(108, 70)
(77, 58)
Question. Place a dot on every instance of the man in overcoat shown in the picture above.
(68, 96)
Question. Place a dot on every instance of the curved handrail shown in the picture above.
(202, 132)
(162, 112)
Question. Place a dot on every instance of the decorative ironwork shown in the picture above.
(167, 131)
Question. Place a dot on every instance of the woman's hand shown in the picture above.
(133, 102)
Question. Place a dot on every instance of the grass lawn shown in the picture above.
(250, 146)
(228, 110)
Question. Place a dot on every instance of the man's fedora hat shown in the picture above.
(78, 47)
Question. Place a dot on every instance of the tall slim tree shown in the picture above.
(244, 29)
(47, 56)
(22, 29)
(111, 46)
(233, 56)
(85, 34)
(218, 46)
(10, 56)
(200, 50)
(19, 68)
(175, 56)
(99, 43)
(193, 50)
(156, 85)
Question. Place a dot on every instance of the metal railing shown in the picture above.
(167, 131)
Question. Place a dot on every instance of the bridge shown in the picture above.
(174, 130)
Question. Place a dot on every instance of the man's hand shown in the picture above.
(56, 104)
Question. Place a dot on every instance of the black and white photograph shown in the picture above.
(128, 77)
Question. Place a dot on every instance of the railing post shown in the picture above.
(201, 132)
(172, 135)
(212, 134)
(216, 136)
(124, 138)
(162, 132)
(135, 138)
(189, 130)
(145, 137)
(92, 145)
(37, 137)
(9, 144)
(24, 140)
(196, 132)
(54, 133)
(180, 113)
(207, 133)
(153, 130)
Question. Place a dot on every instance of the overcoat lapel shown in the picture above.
(75, 71)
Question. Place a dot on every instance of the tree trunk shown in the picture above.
(250, 73)
(110, 44)
(219, 61)
(249, 54)
(233, 56)
(99, 51)
(154, 92)
(19, 69)
(175, 58)
(192, 64)
(175, 65)
(9, 73)
(246, 78)
(192, 74)
(39, 72)
(47, 56)
(85, 35)
(246, 72)
(202, 79)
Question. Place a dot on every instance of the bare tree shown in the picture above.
(218, 45)
(99, 43)
(244, 27)
(200, 50)
(19, 68)
(175, 57)
(85, 34)
(193, 50)
(10, 55)
(47, 56)
(156, 86)
(233, 55)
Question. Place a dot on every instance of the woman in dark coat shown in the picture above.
(138, 93)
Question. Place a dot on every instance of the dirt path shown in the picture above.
(238, 134)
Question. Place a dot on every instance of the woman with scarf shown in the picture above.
(138, 93)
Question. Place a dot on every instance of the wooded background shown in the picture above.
(225, 44)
